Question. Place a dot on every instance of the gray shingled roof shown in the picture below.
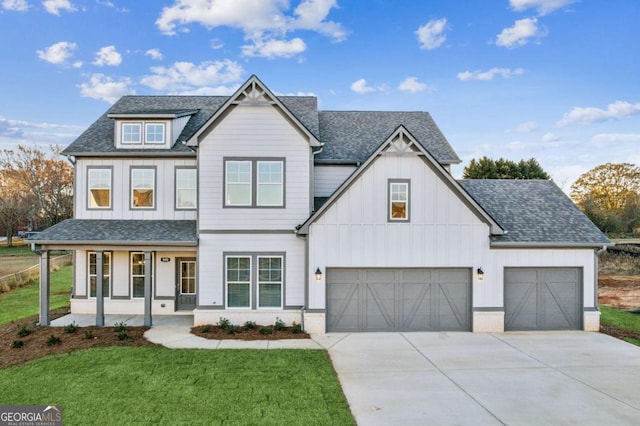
(123, 232)
(98, 138)
(355, 135)
(534, 212)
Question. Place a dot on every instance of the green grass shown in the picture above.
(632, 340)
(24, 301)
(150, 385)
(620, 318)
(19, 249)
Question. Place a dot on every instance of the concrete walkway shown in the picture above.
(174, 331)
(533, 378)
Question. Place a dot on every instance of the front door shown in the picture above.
(186, 284)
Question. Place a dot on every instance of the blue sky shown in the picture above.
(557, 80)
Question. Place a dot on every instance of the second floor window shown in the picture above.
(143, 188)
(186, 188)
(254, 183)
(99, 184)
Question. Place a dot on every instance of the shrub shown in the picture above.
(88, 334)
(224, 323)
(120, 327)
(279, 325)
(234, 329)
(207, 328)
(17, 344)
(70, 328)
(296, 328)
(24, 330)
(53, 340)
(249, 325)
(124, 335)
(265, 330)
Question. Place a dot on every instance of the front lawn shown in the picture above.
(621, 324)
(151, 385)
(24, 301)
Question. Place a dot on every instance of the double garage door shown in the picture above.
(407, 299)
(380, 299)
(543, 299)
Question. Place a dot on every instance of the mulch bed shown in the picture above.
(34, 345)
(216, 333)
(618, 332)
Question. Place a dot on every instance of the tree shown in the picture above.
(486, 168)
(609, 195)
(47, 180)
(16, 205)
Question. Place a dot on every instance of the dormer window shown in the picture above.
(154, 133)
(131, 133)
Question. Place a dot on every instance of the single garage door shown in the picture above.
(543, 299)
(398, 299)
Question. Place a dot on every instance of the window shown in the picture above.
(186, 188)
(99, 185)
(188, 277)
(269, 282)
(246, 188)
(131, 133)
(249, 287)
(269, 183)
(398, 200)
(239, 282)
(142, 188)
(138, 269)
(93, 270)
(238, 183)
(154, 133)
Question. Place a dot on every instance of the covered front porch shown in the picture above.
(122, 268)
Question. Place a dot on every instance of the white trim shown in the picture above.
(226, 183)
(280, 184)
(146, 133)
(107, 273)
(226, 281)
(281, 282)
(122, 133)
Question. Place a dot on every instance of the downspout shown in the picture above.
(596, 267)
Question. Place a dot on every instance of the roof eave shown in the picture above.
(556, 244)
(171, 243)
(168, 153)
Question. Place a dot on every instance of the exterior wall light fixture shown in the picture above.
(318, 274)
(480, 273)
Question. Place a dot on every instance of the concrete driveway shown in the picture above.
(516, 378)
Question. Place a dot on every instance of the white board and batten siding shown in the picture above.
(253, 132)
(327, 178)
(121, 197)
(354, 231)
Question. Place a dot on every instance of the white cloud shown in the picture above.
(264, 22)
(490, 74)
(186, 77)
(110, 4)
(155, 54)
(360, 87)
(526, 127)
(431, 35)
(274, 48)
(55, 6)
(106, 88)
(519, 34)
(211, 91)
(607, 138)
(616, 110)
(543, 6)
(15, 5)
(57, 53)
(515, 146)
(216, 44)
(550, 137)
(107, 56)
(411, 84)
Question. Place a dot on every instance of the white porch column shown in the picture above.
(99, 288)
(148, 294)
(45, 289)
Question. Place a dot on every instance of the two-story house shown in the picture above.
(257, 206)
